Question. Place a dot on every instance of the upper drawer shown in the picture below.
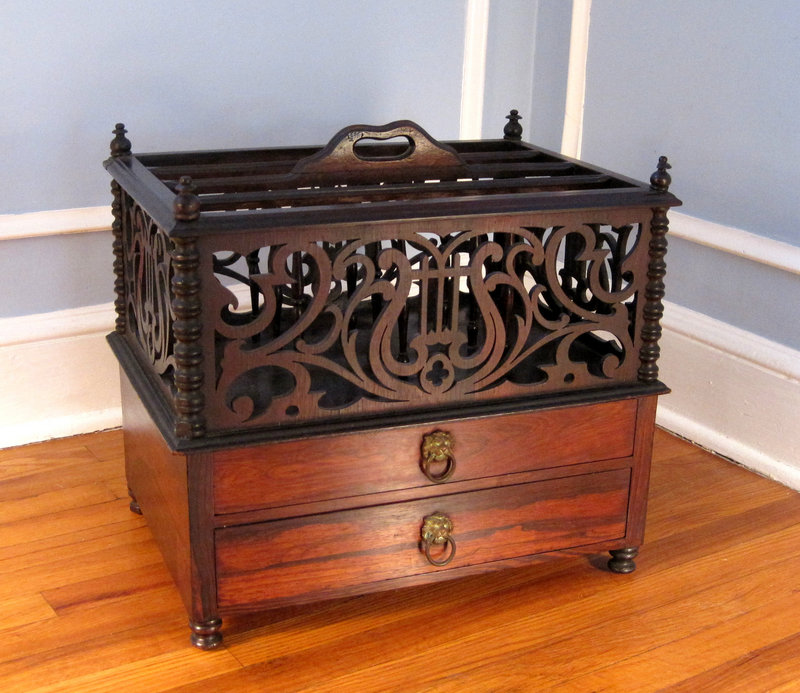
(316, 469)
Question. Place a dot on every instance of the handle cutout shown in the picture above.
(382, 150)
(358, 149)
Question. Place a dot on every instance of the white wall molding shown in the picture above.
(572, 134)
(62, 324)
(59, 375)
(55, 222)
(750, 246)
(473, 79)
(733, 392)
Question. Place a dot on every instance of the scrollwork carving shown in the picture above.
(147, 272)
(417, 318)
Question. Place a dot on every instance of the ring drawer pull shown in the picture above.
(437, 530)
(437, 448)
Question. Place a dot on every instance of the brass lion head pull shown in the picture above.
(437, 449)
(437, 530)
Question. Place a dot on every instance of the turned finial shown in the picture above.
(660, 180)
(186, 205)
(120, 145)
(513, 130)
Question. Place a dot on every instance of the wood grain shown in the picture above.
(313, 556)
(353, 465)
(87, 604)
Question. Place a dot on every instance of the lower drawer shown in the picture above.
(314, 556)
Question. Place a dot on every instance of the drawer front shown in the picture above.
(312, 557)
(357, 464)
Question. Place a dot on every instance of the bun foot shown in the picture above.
(622, 560)
(205, 634)
(134, 504)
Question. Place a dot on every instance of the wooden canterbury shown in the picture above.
(383, 362)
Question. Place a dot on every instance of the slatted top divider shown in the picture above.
(367, 174)
(364, 164)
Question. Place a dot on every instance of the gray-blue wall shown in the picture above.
(713, 85)
(206, 74)
(193, 75)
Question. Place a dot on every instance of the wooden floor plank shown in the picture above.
(72, 660)
(24, 608)
(124, 537)
(154, 674)
(710, 659)
(62, 522)
(86, 603)
(84, 625)
(47, 503)
(542, 643)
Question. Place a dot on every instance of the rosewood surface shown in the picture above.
(383, 362)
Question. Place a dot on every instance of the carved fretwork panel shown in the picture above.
(402, 316)
(147, 275)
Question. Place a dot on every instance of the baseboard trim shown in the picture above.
(728, 239)
(60, 427)
(59, 376)
(733, 392)
(732, 449)
(55, 222)
(61, 324)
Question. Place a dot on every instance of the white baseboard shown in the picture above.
(733, 392)
(59, 375)
(751, 246)
(55, 222)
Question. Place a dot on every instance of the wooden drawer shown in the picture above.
(317, 469)
(316, 556)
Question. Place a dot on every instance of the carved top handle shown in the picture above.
(341, 155)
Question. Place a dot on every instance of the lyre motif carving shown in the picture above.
(417, 318)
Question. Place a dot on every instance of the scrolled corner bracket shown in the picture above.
(660, 180)
(513, 130)
(186, 205)
(120, 145)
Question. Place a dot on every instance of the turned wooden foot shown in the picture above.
(622, 560)
(206, 634)
(134, 504)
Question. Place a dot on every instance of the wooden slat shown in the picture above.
(269, 162)
(215, 197)
(245, 180)
(86, 603)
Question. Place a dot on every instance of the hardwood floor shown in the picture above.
(86, 603)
